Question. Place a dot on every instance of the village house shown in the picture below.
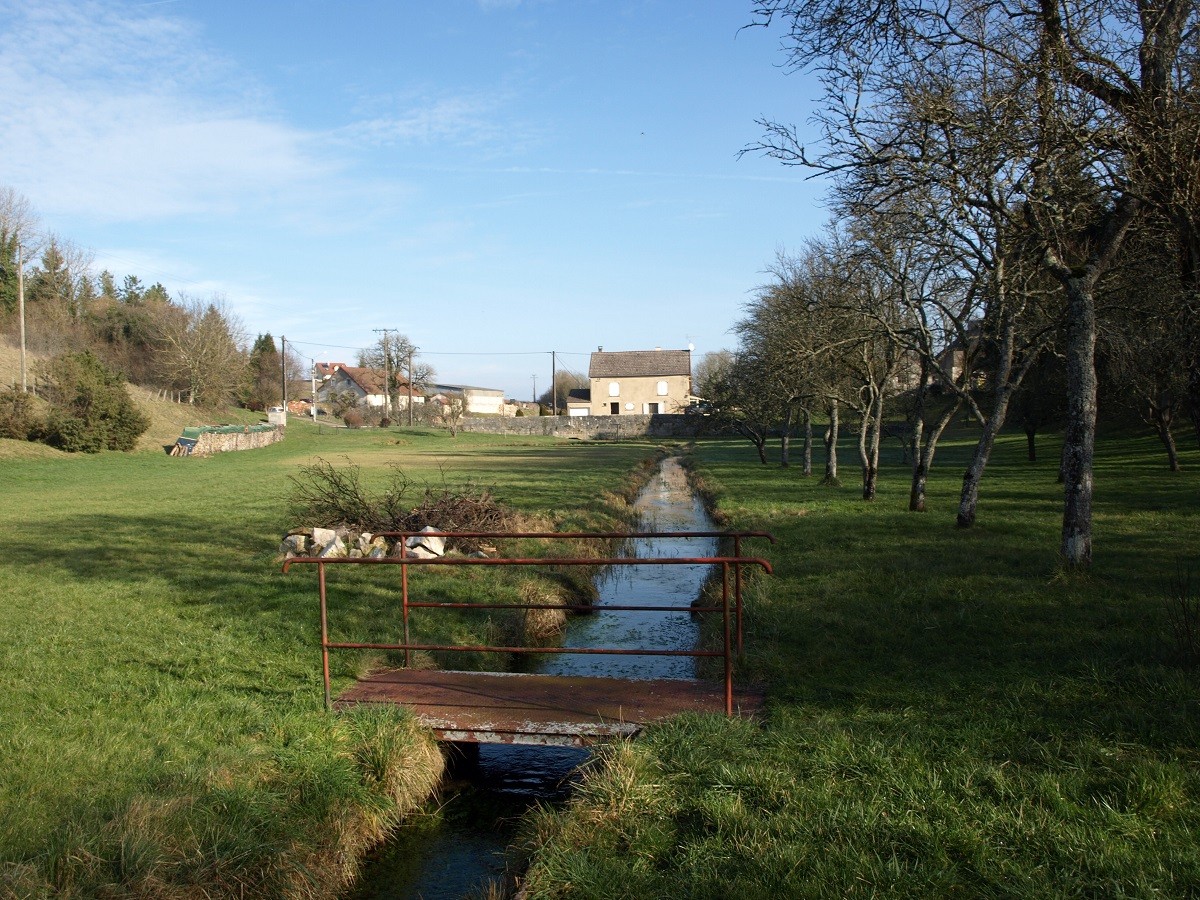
(365, 384)
(478, 401)
(633, 382)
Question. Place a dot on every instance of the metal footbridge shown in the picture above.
(501, 707)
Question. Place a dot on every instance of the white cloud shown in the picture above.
(115, 113)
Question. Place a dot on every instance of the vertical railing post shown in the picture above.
(324, 634)
(737, 591)
(728, 648)
(404, 601)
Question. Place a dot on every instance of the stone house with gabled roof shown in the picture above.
(640, 382)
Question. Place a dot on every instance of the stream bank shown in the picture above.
(458, 846)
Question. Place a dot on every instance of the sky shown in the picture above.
(495, 179)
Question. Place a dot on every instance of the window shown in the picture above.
(614, 409)
(662, 389)
(614, 389)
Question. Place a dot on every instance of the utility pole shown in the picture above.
(534, 377)
(410, 378)
(554, 382)
(313, 376)
(283, 369)
(387, 373)
(21, 307)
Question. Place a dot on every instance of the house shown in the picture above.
(365, 384)
(639, 382)
(579, 402)
(479, 401)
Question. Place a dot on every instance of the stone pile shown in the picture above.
(335, 543)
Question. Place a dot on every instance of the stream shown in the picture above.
(456, 848)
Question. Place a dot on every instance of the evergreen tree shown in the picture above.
(90, 407)
(263, 387)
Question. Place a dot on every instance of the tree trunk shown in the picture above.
(1189, 257)
(968, 501)
(785, 439)
(808, 443)
(1079, 443)
(923, 451)
(831, 440)
(870, 434)
(1162, 424)
(1006, 384)
(1031, 443)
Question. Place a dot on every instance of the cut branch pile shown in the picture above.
(326, 496)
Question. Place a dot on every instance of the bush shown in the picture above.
(18, 418)
(90, 407)
(353, 418)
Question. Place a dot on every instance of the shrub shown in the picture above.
(90, 407)
(353, 418)
(18, 418)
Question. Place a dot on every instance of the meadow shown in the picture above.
(161, 723)
(950, 713)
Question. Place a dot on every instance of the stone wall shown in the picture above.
(217, 442)
(588, 427)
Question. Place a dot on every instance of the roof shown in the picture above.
(635, 363)
(325, 369)
(579, 395)
(370, 381)
(464, 389)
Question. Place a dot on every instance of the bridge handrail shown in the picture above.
(735, 561)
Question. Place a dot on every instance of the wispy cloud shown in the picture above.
(115, 112)
(467, 120)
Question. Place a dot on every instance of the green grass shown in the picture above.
(949, 714)
(161, 714)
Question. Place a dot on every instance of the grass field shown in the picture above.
(950, 714)
(161, 730)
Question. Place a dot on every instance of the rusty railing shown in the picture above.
(730, 606)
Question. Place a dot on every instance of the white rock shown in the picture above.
(435, 545)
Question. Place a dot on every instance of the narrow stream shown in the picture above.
(457, 848)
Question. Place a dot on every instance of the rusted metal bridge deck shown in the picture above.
(566, 710)
(490, 707)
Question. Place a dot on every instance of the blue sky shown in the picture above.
(494, 178)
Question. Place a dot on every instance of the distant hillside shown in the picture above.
(167, 419)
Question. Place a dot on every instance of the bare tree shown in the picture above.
(18, 240)
(201, 349)
(398, 356)
(1075, 87)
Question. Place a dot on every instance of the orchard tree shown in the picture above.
(1087, 90)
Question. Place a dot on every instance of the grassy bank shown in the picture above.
(162, 731)
(949, 713)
